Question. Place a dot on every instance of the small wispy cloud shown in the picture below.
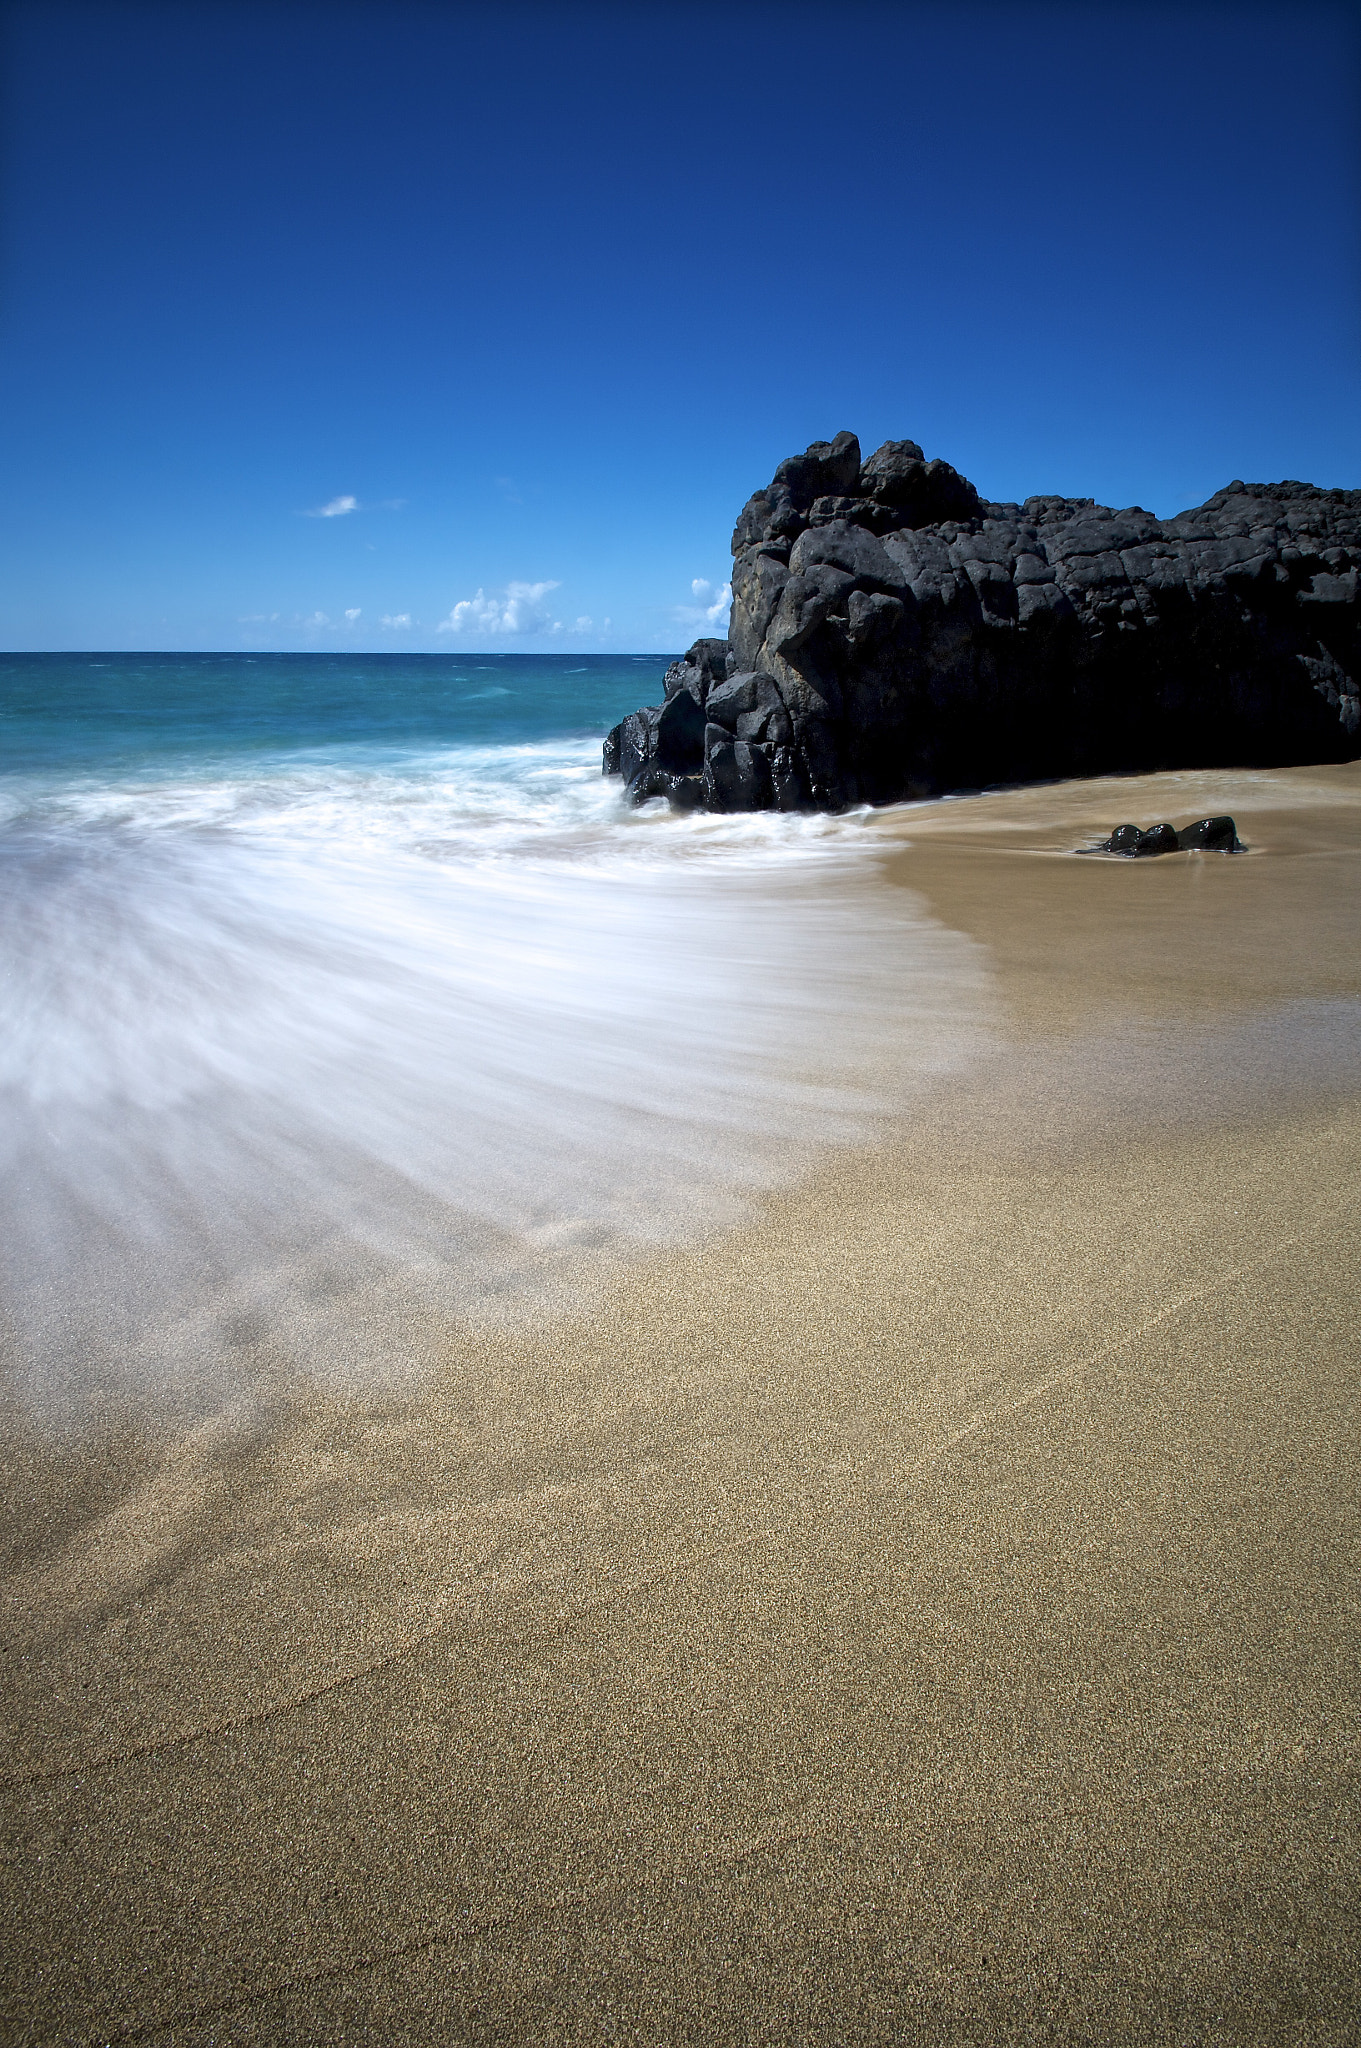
(400, 622)
(709, 607)
(351, 616)
(519, 610)
(336, 508)
(258, 619)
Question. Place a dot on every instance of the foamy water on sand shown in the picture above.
(452, 1010)
(445, 1568)
(338, 1005)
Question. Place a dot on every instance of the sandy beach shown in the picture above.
(925, 1612)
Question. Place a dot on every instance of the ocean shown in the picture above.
(330, 974)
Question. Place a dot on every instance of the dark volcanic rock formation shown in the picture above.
(893, 635)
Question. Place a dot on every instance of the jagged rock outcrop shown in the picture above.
(893, 635)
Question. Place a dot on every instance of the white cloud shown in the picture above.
(519, 610)
(353, 615)
(710, 606)
(335, 509)
(317, 619)
(400, 620)
(583, 625)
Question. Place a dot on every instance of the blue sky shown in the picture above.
(432, 327)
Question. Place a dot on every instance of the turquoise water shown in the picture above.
(313, 962)
(145, 714)
(498, 750)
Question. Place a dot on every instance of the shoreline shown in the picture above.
(922, 1609)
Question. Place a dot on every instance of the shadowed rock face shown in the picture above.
(893, 635)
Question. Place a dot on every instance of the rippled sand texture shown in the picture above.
(923, 1611)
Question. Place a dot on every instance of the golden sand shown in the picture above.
(928, 1613)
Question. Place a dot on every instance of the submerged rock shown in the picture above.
(895, 635)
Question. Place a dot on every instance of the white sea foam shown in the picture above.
(479, 804)
(459, 1009)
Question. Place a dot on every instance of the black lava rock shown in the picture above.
(679, 744)
(631, 745)
(1218, 835)
(682, 792)
(894, 635)
(737, 774)
(707, 663)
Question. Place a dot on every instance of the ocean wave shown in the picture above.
(464, 1009)
(476, 803)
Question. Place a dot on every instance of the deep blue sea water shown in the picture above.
(342, 959)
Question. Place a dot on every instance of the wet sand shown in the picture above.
(927, 1613)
